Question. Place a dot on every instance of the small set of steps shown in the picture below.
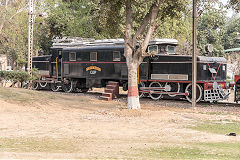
(111, 91)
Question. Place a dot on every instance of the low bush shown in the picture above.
(19, 76)
(16, 76)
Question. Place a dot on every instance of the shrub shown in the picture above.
(17, 76)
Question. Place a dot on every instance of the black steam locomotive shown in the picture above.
(74, 67)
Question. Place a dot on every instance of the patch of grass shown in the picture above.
(174, 153)
(38, 145)
(218, 127)
(8, 94)
(218, 151)
(24, 96)
(34, 98)
(223, 148)
(214, 113)
(206, 105)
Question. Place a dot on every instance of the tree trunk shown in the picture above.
(133, 57)
(133, 96)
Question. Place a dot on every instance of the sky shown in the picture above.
(230, 12)
(224, 1)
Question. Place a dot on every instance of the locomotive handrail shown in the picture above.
(57, 67)
(160, 92)
(149, 88)
(61, 70)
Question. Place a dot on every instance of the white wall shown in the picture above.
(3, 62)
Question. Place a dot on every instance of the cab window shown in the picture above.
(59, 54)
(153, 49)
(72, 56)
(116, 56)
(93, 56)
(171, 49)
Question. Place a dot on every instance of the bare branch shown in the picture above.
(143, 25)
(143, 43)
(128, 42)
(5, 15)
(19, 11)
(128, 19)
(142, 52)
(131, 46)
(6, 4)
(151, 26)
(145, 20)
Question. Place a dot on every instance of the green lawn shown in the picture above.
(219, 127)
(25, 96)
(39, 145)
(218, 151)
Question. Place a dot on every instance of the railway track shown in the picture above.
(233, 104)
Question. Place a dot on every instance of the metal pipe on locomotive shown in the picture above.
(78, 66)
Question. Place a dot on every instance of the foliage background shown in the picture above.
(91, 19)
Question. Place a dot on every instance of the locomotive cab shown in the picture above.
(56, 57)
(162, 46)
(42, 63)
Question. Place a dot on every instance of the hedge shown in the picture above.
(15, 76)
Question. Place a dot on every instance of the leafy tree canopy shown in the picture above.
(231, 38)
(210, 29)
(111, 13)
(73, 18)
(234, 4)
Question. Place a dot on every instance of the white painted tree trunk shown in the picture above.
(134, 57)
(133, 96)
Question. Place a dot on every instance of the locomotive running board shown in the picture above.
(48, 81)
(157, 92)
(149, 88)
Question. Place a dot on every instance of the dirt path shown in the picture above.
(91, 128)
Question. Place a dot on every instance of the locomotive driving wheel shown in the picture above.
(55, 87)
(189, 91)
(68, 87)
(43, 84)
(174, 87)
(35, 85)
(155, 96)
